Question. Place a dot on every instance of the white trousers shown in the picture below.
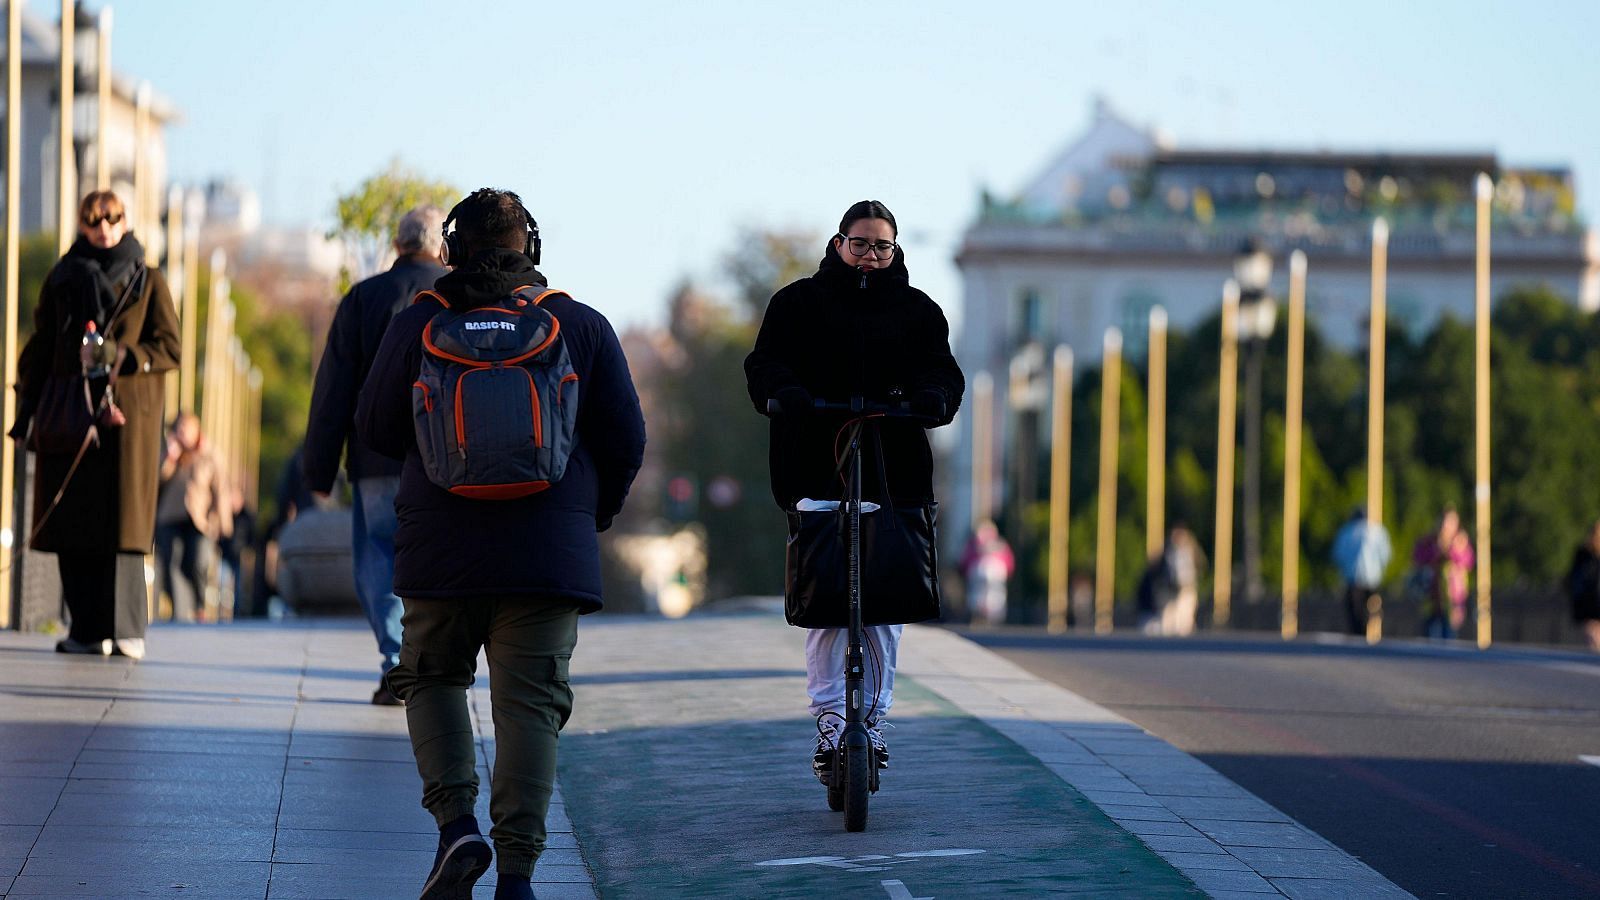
(825, 652)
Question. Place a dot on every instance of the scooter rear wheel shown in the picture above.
(857, 787)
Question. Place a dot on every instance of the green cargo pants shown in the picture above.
(529, 645)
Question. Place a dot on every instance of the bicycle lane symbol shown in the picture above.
(874, 862)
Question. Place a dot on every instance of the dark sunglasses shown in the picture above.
(94, 221)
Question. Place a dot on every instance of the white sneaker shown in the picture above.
(132, 648)
(822, 755)
(98, 648)
(880, 747)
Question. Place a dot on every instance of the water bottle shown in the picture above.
(96, 355)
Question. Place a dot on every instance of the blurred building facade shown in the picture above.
(41, 112)
(1123, 220)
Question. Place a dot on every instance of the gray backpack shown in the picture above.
(496, 401)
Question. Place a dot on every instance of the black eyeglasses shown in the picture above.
(880, 249)
(94, 221)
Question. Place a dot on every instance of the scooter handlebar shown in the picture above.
(858, 406)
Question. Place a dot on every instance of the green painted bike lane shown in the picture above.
(686, 772)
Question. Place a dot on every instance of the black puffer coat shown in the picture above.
(543, 546)
(358, 326)
(838, 334)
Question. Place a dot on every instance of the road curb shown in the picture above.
(1229, 842)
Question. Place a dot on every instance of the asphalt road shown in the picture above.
(1455, 773)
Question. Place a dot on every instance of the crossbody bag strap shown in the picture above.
(136, 283)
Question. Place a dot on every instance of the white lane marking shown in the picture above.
(832, 862)
(881, 862)
(1591, 760)
(898, 891)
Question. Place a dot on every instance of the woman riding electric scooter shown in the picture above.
(855, 328)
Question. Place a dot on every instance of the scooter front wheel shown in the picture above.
(857, 787)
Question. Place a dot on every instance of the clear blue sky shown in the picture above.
(644, 134)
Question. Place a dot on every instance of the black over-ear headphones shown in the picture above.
(452, 248)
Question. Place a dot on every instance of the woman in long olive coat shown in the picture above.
(104, 522)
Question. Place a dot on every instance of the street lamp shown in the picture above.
(1252, 268)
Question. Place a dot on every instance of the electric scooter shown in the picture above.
(854, 775)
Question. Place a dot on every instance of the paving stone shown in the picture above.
(1145, 829)
(164, 763)
(1337, 889)
(1139, 813)
(1250, 810)
(28, 801)
(1278, 863)
(1121, 798)
(1216, 880)
(1261, 834)
(330, 879)
(242, 843)
(1218, 862)
(1166, 843)
(226, 882)
(550, 890)
(16, 839)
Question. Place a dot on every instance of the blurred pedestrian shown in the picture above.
(230, 549)
(94, 505)
(190, 517)
(1583, 586)
(1361, 552)
(290, 497)
(358, 327)
(510, 576)
(1446, 555)
(1169, 591)
(987, 564)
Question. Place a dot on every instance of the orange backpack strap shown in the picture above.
(539, 298)
(433, 295)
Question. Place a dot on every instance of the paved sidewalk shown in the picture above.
(234, 761)
(245, 761)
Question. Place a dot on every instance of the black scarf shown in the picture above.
(95, 279)
(838, 274)
(489, 276)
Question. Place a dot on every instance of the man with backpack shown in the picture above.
(515, 413)
(358, 326)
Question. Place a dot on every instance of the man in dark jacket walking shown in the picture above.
(358, 327)
(511, 576)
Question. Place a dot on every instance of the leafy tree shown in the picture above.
(707, 429)
(1545, 446)
(368, 214)
(279, 345)
(766, 261)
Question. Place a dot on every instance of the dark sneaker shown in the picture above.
(384, 697)
(98, 648)
(457, 867)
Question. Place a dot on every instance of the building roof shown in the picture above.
(41, 47)
(1360, 160)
